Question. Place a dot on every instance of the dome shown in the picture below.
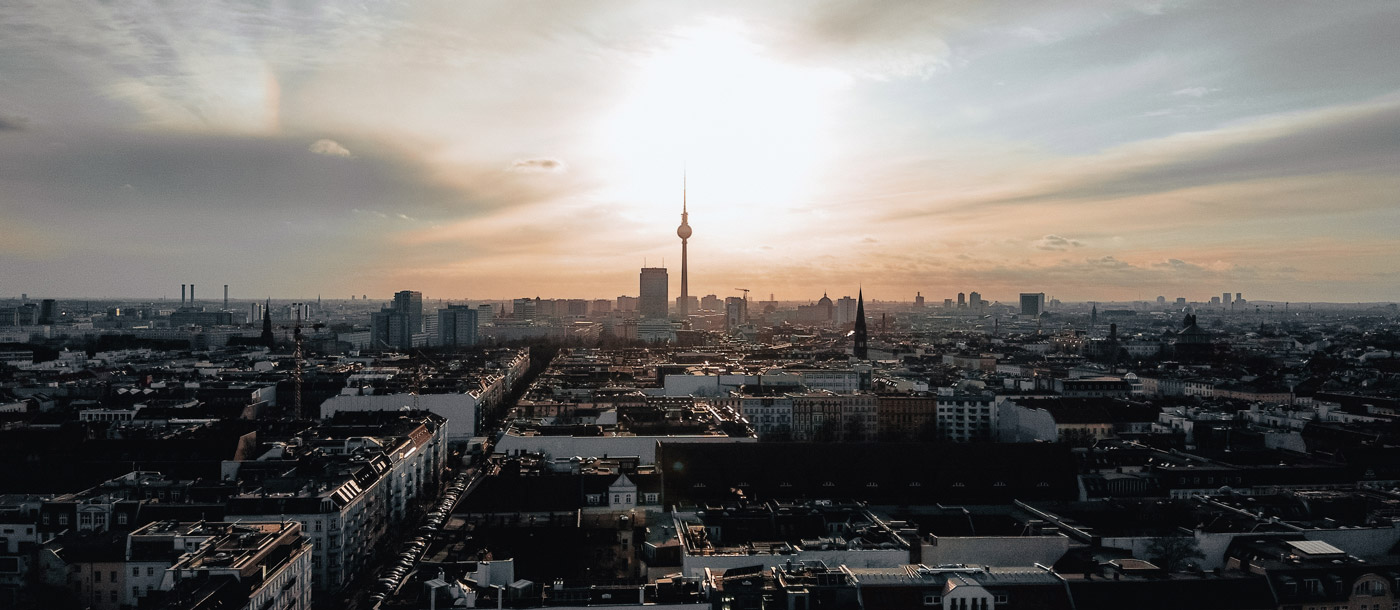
(683, 231)
(825, 301)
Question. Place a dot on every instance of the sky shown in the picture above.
(484, 150)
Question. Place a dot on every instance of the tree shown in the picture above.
(1173, 553)
(855, 429)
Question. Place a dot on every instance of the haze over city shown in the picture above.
(495, 150)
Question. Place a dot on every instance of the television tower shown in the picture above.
(683, 232)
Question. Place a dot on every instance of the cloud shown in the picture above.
(13, 123)
(544, 165)
(329, 148)
(1194, 91)
(1055, 242)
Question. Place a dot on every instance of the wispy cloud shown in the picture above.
(12, 123)
(545, 165)
(1055, 242)
(329, 148)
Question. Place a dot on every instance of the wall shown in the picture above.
(643, 447)
(995, 550)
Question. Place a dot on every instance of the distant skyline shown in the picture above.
(1092, 151)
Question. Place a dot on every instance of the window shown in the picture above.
(135, 592)
(96, 576)
(1001, 599)
(932, 600)
(63, 519)
(112, 595)
(617, 499)
(136, 571)
(1312, 586)
(150, 571)
(121, 518)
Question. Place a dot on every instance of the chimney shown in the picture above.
(182, 295)
(191, 295)
(225, 296)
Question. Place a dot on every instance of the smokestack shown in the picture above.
(225, 296)
(182, 295)
(191, 295)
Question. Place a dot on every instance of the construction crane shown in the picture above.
(746, 293)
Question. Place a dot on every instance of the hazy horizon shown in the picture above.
(1091, 151)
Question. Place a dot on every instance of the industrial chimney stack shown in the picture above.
(225, 297)
(182, 295)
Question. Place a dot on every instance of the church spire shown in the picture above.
(267, 325)
(861, 347)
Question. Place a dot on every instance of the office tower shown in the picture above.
(918, 300)
(710, 302)
(626, 304)
(1225, 298)
(456, 325)
(523, 309)
(962, 300)
(683, 231)
(485, 315)
(1161, 301)
(947, 303)
(1032, 303)
(861, 348)
(389, 328)
(653, 300)
(410, 303)
(736, 311)
(845, 310)
(974, 300)
(48, 311)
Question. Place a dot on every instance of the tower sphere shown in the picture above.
(683, 231)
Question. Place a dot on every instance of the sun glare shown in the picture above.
(752, 129)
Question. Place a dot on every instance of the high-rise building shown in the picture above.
(861, 347)
(389, 328)
(485, 314)
(974, 300)
(845, 310)
(736, 311)
(683, 305)
(626, 303)
(652, 304)
(1225, 298)
(918, 300)
(48, 311)
(962, 300)
(711, 302)
(410, 302)
(456, 325)
(1032, 303)
(523, 309)
(687, 304)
